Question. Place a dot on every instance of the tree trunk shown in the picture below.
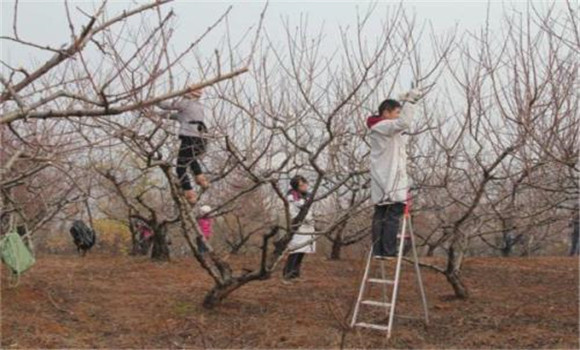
(455, 256)
(237, 246)
(527, 247)
(336, 249)
(135, 241)
(508, 243)
(235, 249)
(431, 250)
(218, 293)
(459, 287)
(228, 285)
(506, 251)
(337, 243)
(160, 250)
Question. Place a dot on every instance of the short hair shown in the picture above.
(388, 105)
(296, 180)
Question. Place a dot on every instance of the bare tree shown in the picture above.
(495, 150)
(488, 163)
(48, 112)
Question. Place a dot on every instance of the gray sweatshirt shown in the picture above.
(190, 114)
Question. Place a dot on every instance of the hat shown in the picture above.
(204, 209)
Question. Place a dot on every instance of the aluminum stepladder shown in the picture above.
(389, 305)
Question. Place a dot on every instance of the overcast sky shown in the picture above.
(44, 22)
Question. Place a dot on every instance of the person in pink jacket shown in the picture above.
(205, 223)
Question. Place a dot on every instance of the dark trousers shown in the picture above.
(385, 228)
(201, 245)
(189, 151)
(292, 268)
(575, 248)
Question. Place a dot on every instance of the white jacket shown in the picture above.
(389, 180)
(303, 240)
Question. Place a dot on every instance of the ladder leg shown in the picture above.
(397, 275)
(384, 277)
(418, 273)
(362, 288)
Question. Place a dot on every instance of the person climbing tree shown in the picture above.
(303, 241)
(389, 180)
(192, 130)
(205, 223)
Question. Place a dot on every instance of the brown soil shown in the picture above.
(123, 302)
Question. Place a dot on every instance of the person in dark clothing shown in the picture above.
(190, 149)
(292, 268)
(21, 230)
(193, 142)
(385, 227)
(575, 235)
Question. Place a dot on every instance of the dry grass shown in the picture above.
(122, 302)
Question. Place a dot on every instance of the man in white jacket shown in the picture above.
(389, 180)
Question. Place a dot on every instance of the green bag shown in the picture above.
(15, 254)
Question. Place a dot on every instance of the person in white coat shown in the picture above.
(303, 241)
(389, 180)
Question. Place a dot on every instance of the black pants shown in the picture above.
(292, 268)
(189, 151)
(385, 228)
(201, 247)
(575, 248)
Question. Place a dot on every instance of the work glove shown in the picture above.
(412, 96)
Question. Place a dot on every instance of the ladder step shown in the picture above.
(380, 280)
(373, 326)
(375, 303)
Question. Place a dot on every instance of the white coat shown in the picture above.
(303, 240)
(389, 180)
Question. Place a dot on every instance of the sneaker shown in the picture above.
(385, 257)
(191, 196)
(202, 181)
(287, 281)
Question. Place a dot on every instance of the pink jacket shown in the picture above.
(146, 232)
(205, 224)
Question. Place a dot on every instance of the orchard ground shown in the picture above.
(124, 302)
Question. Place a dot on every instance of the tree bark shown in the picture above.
(160, 250)
(455, 256)
(506, 250)
(337, 243)
(218, 293)
(336, 250)
(459, 288)
(431, 250)
(136, 246)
